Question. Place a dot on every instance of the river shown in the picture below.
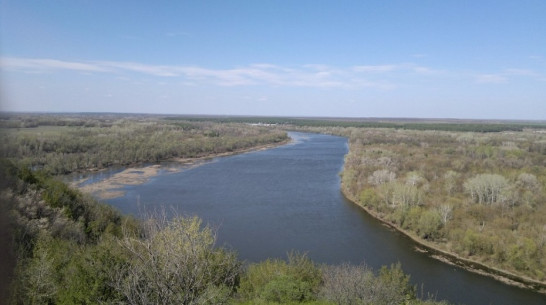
(267, 203)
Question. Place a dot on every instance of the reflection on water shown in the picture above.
(267, 203)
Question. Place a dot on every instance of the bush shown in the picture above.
(176, 263)
(276, 280)
(430, 224)
(368, 197)
(349, 284)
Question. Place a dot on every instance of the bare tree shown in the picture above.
(381, 176)
(349, 284)
(445, 211)
(486, 188)
(176, 263)
(528, 181)
(405, 195)
(450, 184)
(413, 178)
(41, 285)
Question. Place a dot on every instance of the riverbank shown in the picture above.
(454, 259)
(112, 187)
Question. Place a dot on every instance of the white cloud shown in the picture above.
(377, 68)
(404, 67)
(312, 76)
(424, 70)
(136, 67)
(521, 72)
(491, 79)
(48, 64)
(506, 75)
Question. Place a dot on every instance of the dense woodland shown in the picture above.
(60, 246)
(62, 144)
(407, 124)
(480, 196)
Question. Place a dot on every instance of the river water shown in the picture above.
(267, 203)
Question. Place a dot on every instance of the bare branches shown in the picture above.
(175, 262)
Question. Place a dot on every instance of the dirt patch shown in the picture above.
(111, 187)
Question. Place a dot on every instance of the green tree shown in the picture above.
(430, 224)
(276, 280)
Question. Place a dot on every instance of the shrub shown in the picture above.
(276, 280)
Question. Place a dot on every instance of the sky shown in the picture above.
(409, 59)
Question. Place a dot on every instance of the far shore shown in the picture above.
(112, 187)
(454, 259)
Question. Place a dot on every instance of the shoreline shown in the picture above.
(229, 153)
(135, 174)
(453, 259)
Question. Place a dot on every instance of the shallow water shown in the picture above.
(267, 203)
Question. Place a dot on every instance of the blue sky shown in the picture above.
(431, 59)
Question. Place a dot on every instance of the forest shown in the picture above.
(479, 196)
(406, 124)
(60, 246)
(60, 144)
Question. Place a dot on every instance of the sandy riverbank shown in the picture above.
(454, 259)
(112, 187)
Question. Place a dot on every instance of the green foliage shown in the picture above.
(398, 283)
(101, 142)
(279, 281)
(61, 272)
(430, 224)
(411, 220)
(480, 196)
(38, 279)
(63, 240)
(284, 289)
(369, 197)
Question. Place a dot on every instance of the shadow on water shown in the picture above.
(267, 203)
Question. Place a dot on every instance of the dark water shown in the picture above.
(267, 203)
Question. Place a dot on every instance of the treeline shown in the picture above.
(479, 196)
(68, 249)
(31, 120)
(376, 123)
(64, 144)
